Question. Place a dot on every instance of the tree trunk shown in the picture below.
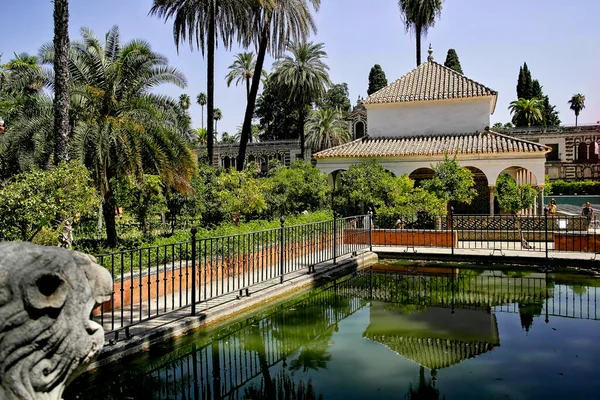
(576, 119)
(301, 123)
(247, 126)
(108, 210)
(418, 39)
(99, 223)
(61, 80)
(202, 107)
(211, 82)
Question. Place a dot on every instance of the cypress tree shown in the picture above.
(524, 83)
(377, 79)
(536, 89)
(452, 61)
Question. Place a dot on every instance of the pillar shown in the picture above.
(491, 192)
(540, 200)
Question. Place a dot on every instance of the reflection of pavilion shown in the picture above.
(434, 337)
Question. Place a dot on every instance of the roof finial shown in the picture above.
(430, 51)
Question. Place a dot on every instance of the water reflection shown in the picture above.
(436, 318)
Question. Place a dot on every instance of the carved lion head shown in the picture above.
(46, 297)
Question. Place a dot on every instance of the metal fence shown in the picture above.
(541, 233)
(153, 281)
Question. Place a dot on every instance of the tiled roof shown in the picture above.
(432, 353)
(431, 81)
(474, 143)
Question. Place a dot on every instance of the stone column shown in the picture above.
(491, 192)
(540, 200)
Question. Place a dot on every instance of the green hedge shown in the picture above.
(576, 187)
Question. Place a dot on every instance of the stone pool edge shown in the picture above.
(184, 325)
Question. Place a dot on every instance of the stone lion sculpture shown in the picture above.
(46, 298)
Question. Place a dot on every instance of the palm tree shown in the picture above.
(303, 75)
(272, 25)
(199, 22)
(184, 102)
(61, 80)
(217, 117)
(201, 99)
(242, 69)
(527, 112)
(418, 16)
(126, 129)
(577, 103)
(325, 128)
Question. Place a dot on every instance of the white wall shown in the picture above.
(429, 117)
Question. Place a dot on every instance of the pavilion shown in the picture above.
(428, 113)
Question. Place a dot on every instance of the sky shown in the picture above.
(560, 41)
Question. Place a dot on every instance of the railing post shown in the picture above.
(282, 250)
(334, 239)
(194, 231)
(546, 230)
(370, 222)
(452, 229)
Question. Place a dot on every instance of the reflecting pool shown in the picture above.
(393, 331)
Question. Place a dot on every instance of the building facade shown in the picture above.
(431, 112)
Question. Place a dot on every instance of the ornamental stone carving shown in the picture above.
(46, 336)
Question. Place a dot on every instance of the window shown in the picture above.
(553, 155)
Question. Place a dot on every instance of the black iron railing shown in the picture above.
(545, 233)
(152, 281)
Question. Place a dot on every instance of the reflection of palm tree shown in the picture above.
(286, 389)
(314, 355)
(426, 389)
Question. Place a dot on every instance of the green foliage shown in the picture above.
(278, 119)
(451, 182)
(337, 97)
(141, 197)
(36, 199)
(524, 83)
(369, 186)
(500, 125)
(377, 79)
(326, 128)
(530, 89)
(513, 198)
(577, 103)
(452, 61)
(418, 16)
(240, 194)
(576, 187)
(297, 188)
(527, 112)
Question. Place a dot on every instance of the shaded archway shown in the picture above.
(420, 174)
(481, 203)
(359, 130)
(523, 176)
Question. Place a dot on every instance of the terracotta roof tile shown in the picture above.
(431, 81)
(474, 143)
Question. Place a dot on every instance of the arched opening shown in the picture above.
(481, 203)
(522, 176)
(226, 163)
(251, 158)
(359, 130)
(420, 174)
(582, 152)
